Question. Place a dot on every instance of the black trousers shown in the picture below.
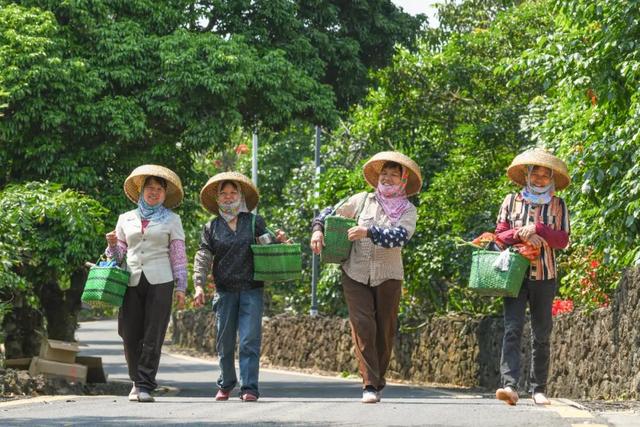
(539, 294)
(142, 324)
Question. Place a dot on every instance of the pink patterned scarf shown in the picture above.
(393, 198)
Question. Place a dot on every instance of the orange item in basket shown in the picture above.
(527, 250)
(483, 239)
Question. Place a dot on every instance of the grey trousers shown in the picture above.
(539, 294)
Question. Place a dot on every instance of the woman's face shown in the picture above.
(540, 176)
(228, 194)
(153, 193)
(390, 176)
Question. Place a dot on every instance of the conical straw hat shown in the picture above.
(209, 193)
(518, 169)
(134, 182)
(373, 167)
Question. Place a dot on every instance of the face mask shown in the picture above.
(231, 207)
(390, 190)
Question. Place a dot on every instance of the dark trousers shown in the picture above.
(373, 314)
(539, 294)
(142, 324)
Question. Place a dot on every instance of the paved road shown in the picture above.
(288, 399)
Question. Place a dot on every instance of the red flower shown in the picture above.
(242, 149)
(561, 306)
(595, 263)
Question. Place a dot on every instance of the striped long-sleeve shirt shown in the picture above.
(552, 224)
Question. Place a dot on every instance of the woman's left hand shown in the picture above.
(357, 233)
(179, 299)
(281, 236)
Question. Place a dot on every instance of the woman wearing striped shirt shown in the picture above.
(537, 216)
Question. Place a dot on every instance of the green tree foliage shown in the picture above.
(590, 115)
(449, 108)
(47, 234)
(91, 90)
(337, 42)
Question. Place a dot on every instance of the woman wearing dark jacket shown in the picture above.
(225, 249)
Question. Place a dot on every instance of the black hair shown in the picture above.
(159, 180)
(392, 165)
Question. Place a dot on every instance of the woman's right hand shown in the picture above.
(536, 241)
(198, 298)
(112, 239)
(317, 242)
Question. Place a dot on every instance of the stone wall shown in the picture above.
(593, 355)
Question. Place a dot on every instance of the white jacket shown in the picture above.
(148, 252)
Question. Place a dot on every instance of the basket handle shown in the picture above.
(103, 257)
(270, 231)
(358, 210)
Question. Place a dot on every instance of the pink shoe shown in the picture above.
(222, 395)
(507, 395)
(249, 397)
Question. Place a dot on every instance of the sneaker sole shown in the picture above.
(544, 403)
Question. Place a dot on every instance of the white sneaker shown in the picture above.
(369, 396)
(133, 394)
(540, 399)
(379, 395)
(144, 396)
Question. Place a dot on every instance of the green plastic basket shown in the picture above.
(277, 262)
(486, 280)
(337, 246)
(105, 286)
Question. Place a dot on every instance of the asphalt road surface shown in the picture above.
(287, 399)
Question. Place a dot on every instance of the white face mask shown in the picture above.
(230, 207)
(541, 190)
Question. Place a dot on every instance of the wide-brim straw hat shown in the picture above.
(134, 182)
(373, 167)
(209, 193)
(518, 170)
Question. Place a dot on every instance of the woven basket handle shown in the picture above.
(340, 203)
(358, 211)
(119, 265)
(270, 231)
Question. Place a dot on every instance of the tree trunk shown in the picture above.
(61, 307)
(20, 327)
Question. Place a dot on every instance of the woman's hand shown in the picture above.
(179, 299)
(112, 239)
(526, 232)
(357, 233)
(317, 242)
(281, 236)
(536, 241)
(198, 298)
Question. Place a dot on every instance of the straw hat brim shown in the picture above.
(209, 193)
(518, 170)
(134, 182)
(373, 167)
